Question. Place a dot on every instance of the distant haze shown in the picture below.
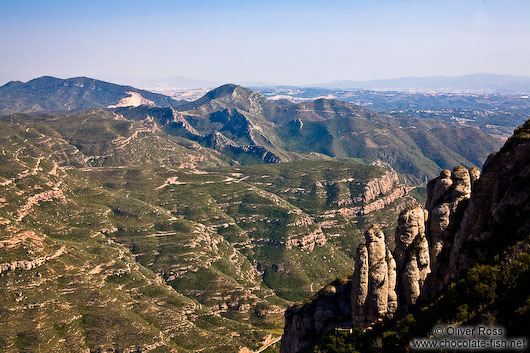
(206, 42)
(466, 83)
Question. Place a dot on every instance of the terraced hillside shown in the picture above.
(118, 235)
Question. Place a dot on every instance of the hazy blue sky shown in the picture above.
(292, 42)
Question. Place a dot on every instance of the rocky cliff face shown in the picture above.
(376, 194)
(217, 141)
(259, 152)
(496, 217)
(328, 310)
(447, 196)
(379, 186)
(370, 297)
(309, 241)
(447, 199)
(383, 284)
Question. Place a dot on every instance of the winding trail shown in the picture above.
(268, 345)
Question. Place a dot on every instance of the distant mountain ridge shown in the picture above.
(330, 128)
(53, 94)
(248, 128)
(481, 82)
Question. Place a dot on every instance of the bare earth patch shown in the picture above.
(134, 100)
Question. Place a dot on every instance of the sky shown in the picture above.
(282, 42)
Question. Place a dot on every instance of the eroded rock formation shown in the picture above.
(374, 287)
(384, 283)
(412, 254)
(472, 219)
(497, 215)
(447, 196)
(376, 195)
(29, 264)
(309, 241)
(392, 284)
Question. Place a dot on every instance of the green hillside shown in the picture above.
(288, 131)
(143, 228)
(117, 235)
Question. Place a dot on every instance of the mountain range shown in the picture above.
(479, 82)
(133, 222)
(52, 94)
(285, 131)
(252, 129)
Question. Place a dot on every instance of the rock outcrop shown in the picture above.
(376, 195)
(259, 152)
(375, 188)
(392, 284)
(217, 141)
(374, 287)
(447, 195)
(383, 284)
(497, 215)
(329, 309)
(307, 242)
(30, 264)
(386, 284)
(412, 255)
(384, 201)
(379, 186)
(471, 219)
(371, 296)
